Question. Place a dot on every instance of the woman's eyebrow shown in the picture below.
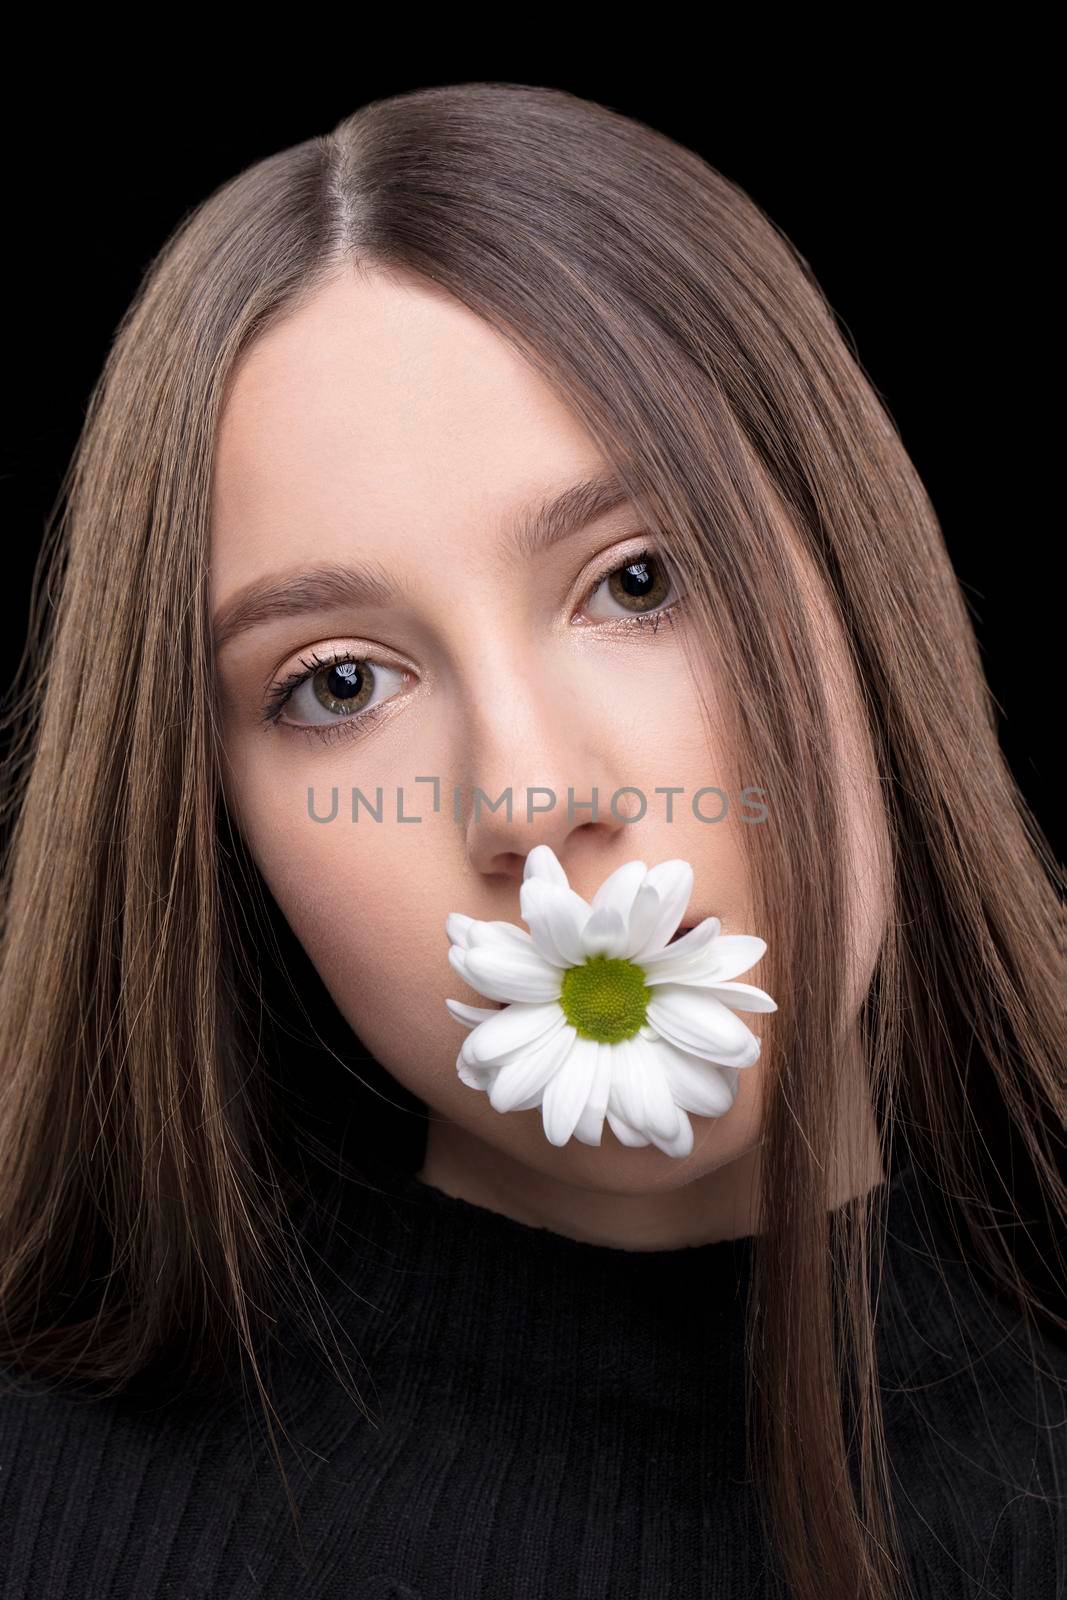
(535, 529)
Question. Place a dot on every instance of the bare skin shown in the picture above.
(382, 423)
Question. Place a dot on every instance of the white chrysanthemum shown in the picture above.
(602, 1015)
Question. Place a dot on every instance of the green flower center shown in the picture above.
(605, 998)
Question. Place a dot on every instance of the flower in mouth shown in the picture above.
(605, 1013)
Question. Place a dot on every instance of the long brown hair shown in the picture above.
(141, 1207)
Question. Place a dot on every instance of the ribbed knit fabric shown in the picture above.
(554, 1420)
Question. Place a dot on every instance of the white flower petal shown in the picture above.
(568, 1092)
(682, 1142)
(542, 862)
(728, 956)
(502, 972)
(457, 926)
(698, 1085)
(635, 1081)
(473, 1076)
(690, 945)
(624, 1132)
(589, 1128)
(517, 1027)
(458, 958)
(731, 1077)
(605, 933)
(644, 915)
(556, 917)
(673, 882)
(500, 933)
(734, 953)
(520, 1084)
(718, 962)
(470, 1015)
(639, 1090)
(743, 996)
(619, 888)
(694, 1020)
(503, 1057)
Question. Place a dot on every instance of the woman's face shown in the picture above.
(386, 432)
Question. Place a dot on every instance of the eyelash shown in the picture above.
(283, 689)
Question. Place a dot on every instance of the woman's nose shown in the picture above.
(580, 829)
(546, 776)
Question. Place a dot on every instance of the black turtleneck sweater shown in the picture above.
(551, 1419)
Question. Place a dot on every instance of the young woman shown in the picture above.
(492, 449)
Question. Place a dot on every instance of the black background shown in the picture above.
(923, 198)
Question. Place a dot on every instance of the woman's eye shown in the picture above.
(339, 689)
(640, 585)
(321, 695)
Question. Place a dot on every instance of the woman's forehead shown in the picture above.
(377, 414)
